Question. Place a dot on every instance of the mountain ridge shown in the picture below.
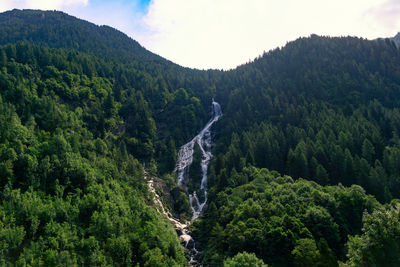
(37, 25)
(305, 157)
(396, 39)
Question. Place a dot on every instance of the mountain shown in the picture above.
(315, 101)
(128, 63)
(323, 109)
(72, 193)
(396, 39)
(46, 28)
(305, 168)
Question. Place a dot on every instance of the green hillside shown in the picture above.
(305, 169)
(46, 28)
(322, 108)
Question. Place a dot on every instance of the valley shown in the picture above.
(111, 155)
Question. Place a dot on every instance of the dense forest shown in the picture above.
(306, 158)
(72, 193)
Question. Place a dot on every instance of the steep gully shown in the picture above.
(183, 162)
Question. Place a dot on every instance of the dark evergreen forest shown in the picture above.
(306, 167)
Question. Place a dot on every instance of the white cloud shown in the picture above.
(388, 14)
(226, 33)
(40, 4)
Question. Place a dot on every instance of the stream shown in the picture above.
(183, 162)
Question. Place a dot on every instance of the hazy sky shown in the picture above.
(226, 33)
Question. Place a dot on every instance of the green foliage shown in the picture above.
(284, 222)
(43, 27)
(180, 203)
(71, 192)
(306, 253)
(244, 260)
(321, 108)
(83, 108)
(379, 243)
(195, 172)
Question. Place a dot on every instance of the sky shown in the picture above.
(222, 34)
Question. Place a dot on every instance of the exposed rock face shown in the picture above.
(181, 228)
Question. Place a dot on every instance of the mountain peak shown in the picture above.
(59, 30)
(396, 39)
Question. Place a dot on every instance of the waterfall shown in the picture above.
(185, 159)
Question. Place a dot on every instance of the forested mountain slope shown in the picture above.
(288, 222)
(56, 29)
(71, 193)
(83, 108)
(46, 28)
(322, 108)
(167, 88)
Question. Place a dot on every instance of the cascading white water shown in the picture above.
(185, 159)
